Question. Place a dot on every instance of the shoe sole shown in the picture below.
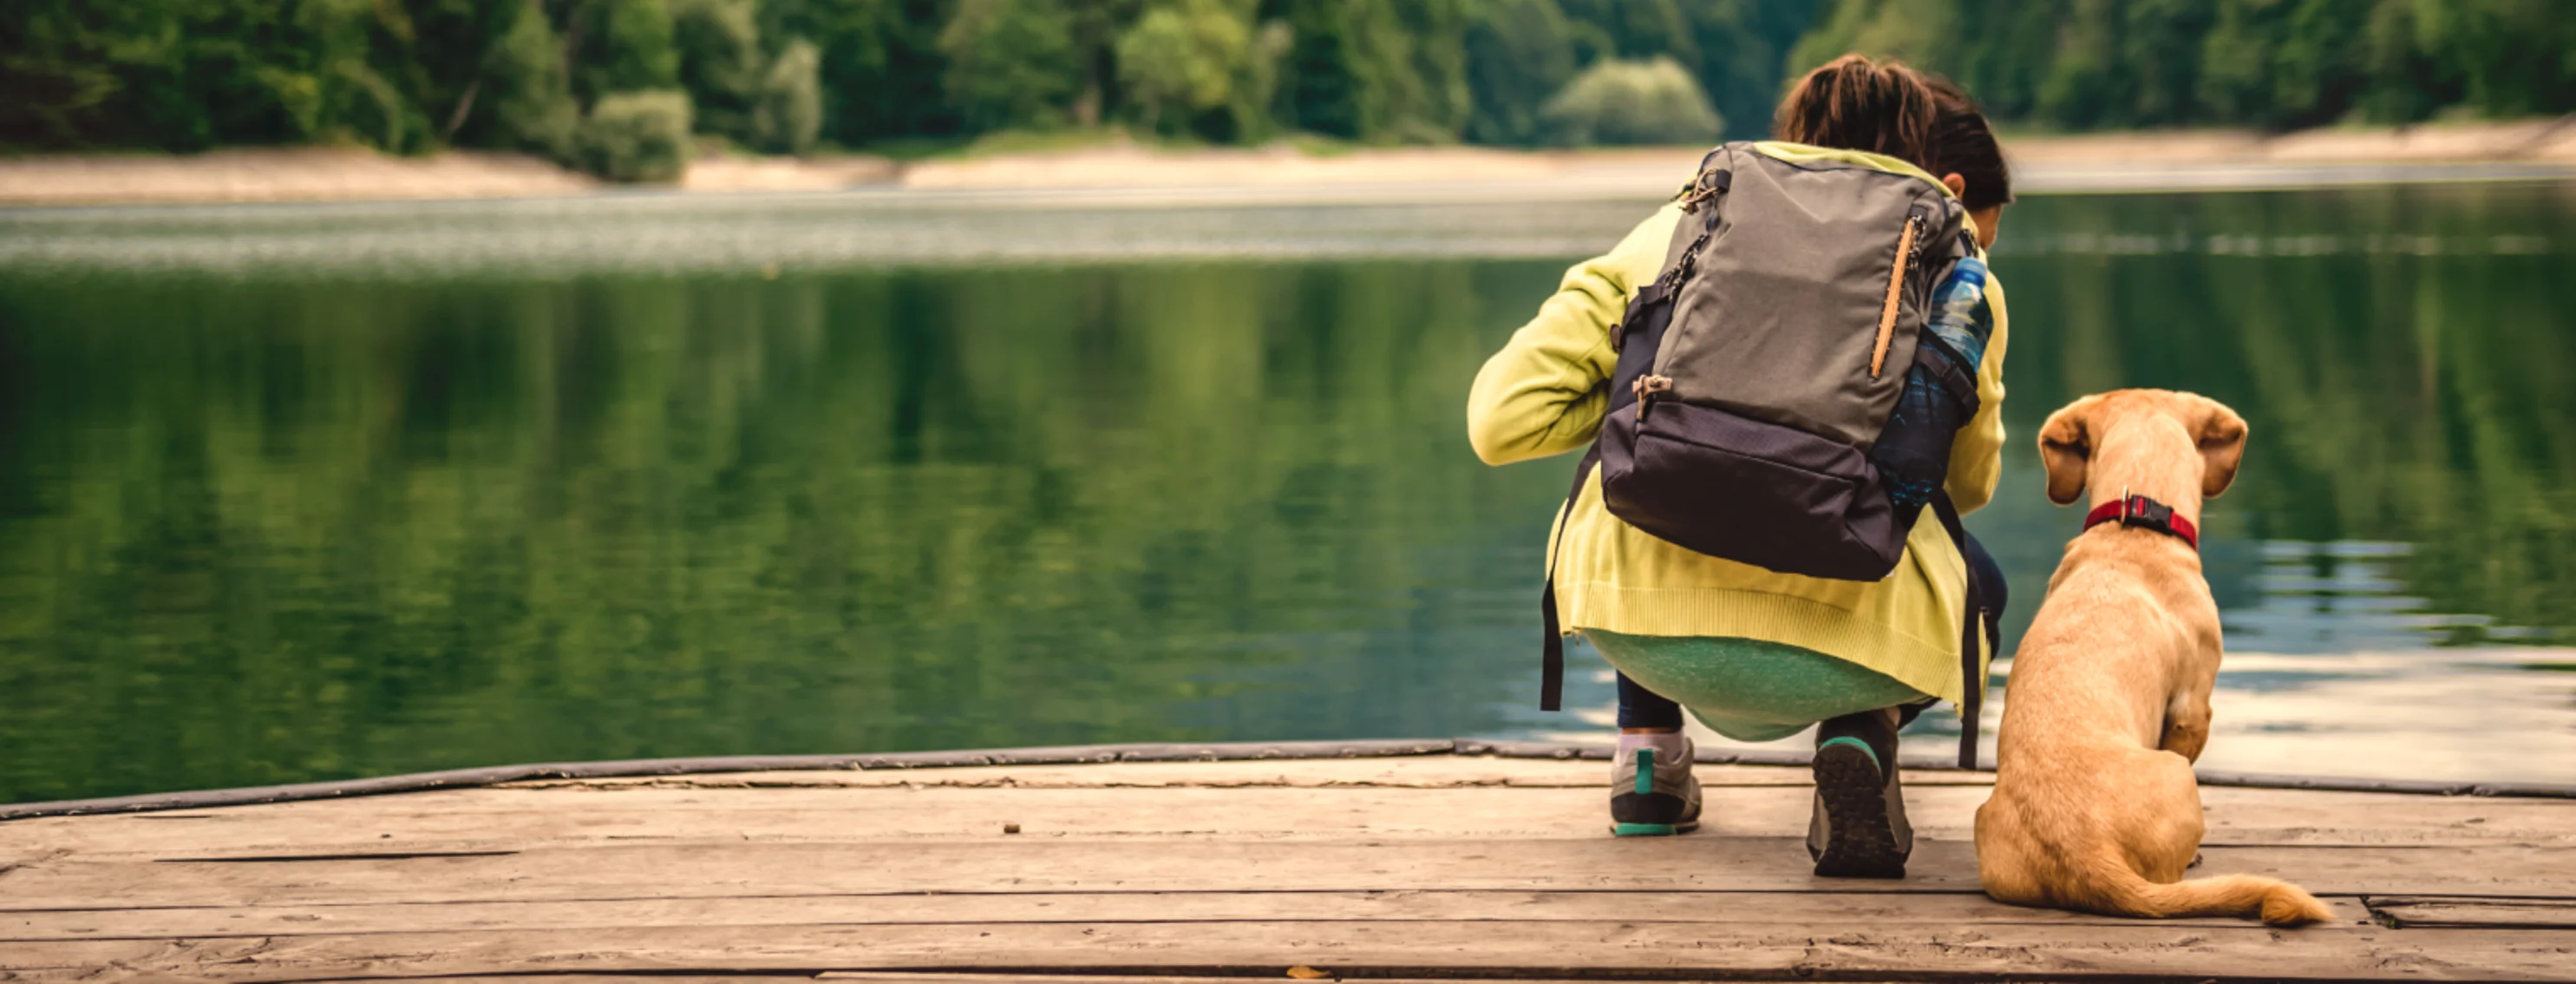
(1652, 829)
(1859, 841)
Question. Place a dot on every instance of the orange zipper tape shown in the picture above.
(1887, 317)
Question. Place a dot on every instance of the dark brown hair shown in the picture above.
(1854, 103)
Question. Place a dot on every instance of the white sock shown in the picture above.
(1668, 746)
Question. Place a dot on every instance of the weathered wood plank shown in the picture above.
(1821, 908)
(1390, 866)
(2445, 913)
(1026, 864)
(518, 819)
(1567, 949)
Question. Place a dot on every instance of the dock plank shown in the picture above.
(1569, 949)
(1024, 864)
(1872, 908)
(1432, 867)
(519, 818)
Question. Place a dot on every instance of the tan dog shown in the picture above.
(2095, 806)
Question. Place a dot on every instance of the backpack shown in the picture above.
(1788, 387)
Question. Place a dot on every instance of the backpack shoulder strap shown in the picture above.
(1972, 665)
(1551, 681)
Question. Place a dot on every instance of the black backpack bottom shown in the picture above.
(1680, 471)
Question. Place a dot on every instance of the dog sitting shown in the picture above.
(2095, 806)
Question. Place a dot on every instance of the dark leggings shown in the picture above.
(1643, 708)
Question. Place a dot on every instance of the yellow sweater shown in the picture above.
(1544, 394)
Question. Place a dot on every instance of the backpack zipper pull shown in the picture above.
(1709, 184)
(1895, 287)
(1646, 387)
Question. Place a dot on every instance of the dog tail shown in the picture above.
(2271, 900)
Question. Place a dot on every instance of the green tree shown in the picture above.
(1256, 84)
(1012, 62)
(1428, 58)
(530, 87)
(623, 46)
(1182, 58)
(790, 110)
(1641, 29)
(331, 86)
(1744, 50)
(61, 82)
(882, 72)
(1097, 27)
(1377, 70)
(1329, 86)
(2267, 63)
(412, 75)
(455, 46)
(721, 63)
(1519, 52)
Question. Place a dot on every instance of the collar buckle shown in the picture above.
(2138, 510)
(2141, 511)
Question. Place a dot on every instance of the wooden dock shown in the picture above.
(1420, 866)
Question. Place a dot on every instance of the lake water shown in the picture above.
(305, 492)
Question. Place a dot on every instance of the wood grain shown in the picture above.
(1025, 863)
(1714, 908)
(1566, 949)
(1429, 868)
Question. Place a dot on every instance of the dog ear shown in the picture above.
(2222, 447)
(2066, 449)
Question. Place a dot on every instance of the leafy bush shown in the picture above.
(790, 111)
(1181, 58)
(1631, 102)
(637, 136)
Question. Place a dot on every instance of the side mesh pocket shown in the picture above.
(1912, 455)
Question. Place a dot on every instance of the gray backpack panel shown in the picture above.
(1781, 319)
(1760, 375)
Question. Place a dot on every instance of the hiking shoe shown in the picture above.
(1859, 828)
(1650, 797)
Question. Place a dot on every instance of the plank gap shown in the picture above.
(295, 858)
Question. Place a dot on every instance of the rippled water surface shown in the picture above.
(292, 493)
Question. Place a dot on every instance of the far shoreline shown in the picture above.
(2073, 163)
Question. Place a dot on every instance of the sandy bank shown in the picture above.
(2127, 161)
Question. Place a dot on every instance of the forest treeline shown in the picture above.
(627, 88)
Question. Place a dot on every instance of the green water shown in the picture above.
(292, 494)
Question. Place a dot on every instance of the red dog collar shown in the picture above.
(2138, 510)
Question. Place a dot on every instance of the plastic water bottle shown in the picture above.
(1959, 313)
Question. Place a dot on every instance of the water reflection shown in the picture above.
(302, 521)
